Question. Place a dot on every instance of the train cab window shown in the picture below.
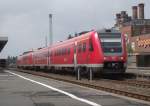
(84, 47)
(91, 45)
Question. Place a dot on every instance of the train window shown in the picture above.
(74, 49)
(46, 54)
(63, 51)
(91, 45)
(84, 47)
(55, 52)
(58, 52)
(51, 53)
(79, 48)
(68, 50)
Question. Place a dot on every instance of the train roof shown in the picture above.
(112, 30)
(84, 34)
(79, 37)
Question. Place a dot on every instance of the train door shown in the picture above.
(48, 57)
(82, 53)
(75, 54)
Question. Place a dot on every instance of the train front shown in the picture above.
(114, 50)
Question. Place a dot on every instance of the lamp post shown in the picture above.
(50, 30)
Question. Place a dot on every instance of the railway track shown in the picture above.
(97, 86)
(133, 82)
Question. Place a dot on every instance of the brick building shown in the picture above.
(137, 30)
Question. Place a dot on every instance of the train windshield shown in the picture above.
(111, 43)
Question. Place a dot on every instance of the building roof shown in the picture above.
(3, 41)
(137, 22)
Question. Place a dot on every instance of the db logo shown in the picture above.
(143, 43)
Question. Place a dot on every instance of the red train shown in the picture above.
(102, 50)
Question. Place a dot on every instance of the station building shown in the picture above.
(137, 30)
(3, 41)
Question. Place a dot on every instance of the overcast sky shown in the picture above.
(26, 23)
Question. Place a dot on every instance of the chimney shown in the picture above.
(118, 15)
(141, 11)
(134, 12)
(123, 13)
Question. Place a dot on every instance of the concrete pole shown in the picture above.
(78, 74)
(91, 74)
(45, 41)
(50, 30)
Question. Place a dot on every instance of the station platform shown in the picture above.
(142, 72)
(22, 89)
(139, 71)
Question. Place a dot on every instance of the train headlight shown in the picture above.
(121, 58)
(105, 58)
